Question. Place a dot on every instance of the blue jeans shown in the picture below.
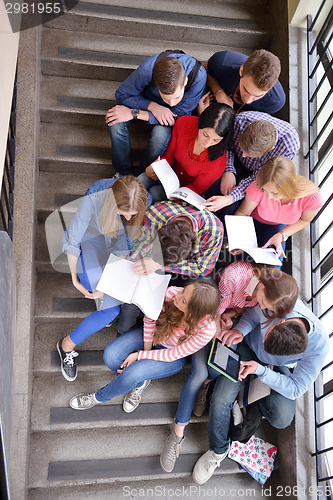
(136, 373)
(155, 188)
(195, 379)
(278, 410)
(93, 258)
(122, 150)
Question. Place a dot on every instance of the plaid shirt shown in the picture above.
(208, 228)
(287, 144)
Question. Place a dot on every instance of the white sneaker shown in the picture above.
(206, 465)
(83, 401)
(133, 398)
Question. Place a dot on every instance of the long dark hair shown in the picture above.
(219, 117)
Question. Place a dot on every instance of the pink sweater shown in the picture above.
(204, 332)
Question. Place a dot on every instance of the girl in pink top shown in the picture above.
(185, 325)
(280, 202)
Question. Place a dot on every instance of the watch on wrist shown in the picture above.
(135, 113)
(284, 235)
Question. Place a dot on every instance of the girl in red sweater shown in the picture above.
(196, 150)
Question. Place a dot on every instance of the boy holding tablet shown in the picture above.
(299, 338)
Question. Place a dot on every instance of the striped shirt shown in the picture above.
(203, 334)
(207, 226)
(287, 144)
(232, 285)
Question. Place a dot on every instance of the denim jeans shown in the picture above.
(93, 258)
(278, 410)
(195, 379)
(136, 373)
(122, 151)
(155, 188)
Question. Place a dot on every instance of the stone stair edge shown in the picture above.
(173, 486)
(197, 17)
(181, 33)
(175, 6)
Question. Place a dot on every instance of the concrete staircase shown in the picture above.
(105, 453)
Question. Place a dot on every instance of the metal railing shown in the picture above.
(320, 155)
(7, 187)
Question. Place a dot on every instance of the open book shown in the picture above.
(170, 182)
(242, 236)
(119, 280)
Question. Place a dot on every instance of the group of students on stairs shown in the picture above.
(213, 124)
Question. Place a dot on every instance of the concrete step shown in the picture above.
(169, 487)
(227, 26)
(112, 58)
(66, 143)
(52, 393)
(50, 248)
(105, 455)
(76, 101)
(85, 54)
(242, 9)
(56, 190)
(56, 299)
(46, 359)
(101, 166)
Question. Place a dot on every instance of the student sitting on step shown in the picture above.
(246, 83)
(196, 150)
(280, 202)
(185, 325)
(175, 238)
(108, 220)
(242, 285)
(164, 87)
(257, 137)
(287, 356)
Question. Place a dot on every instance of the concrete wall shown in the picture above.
(8, 56)
(26, 170)
(7, 333)
(299, 9)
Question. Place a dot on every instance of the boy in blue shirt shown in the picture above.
(260, 345)
(246, 83)
(164, 87)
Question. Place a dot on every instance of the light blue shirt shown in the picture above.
(308, 364)
(87, 218)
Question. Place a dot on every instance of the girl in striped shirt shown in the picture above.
(185, 325)
(241, 284)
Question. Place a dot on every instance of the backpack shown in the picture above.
(191, 76)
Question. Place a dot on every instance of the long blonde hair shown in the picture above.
(126, 194)
(204, 301)
(282, 172)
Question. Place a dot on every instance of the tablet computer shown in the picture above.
(224, 359)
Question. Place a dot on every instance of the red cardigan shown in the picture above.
(196, 172)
